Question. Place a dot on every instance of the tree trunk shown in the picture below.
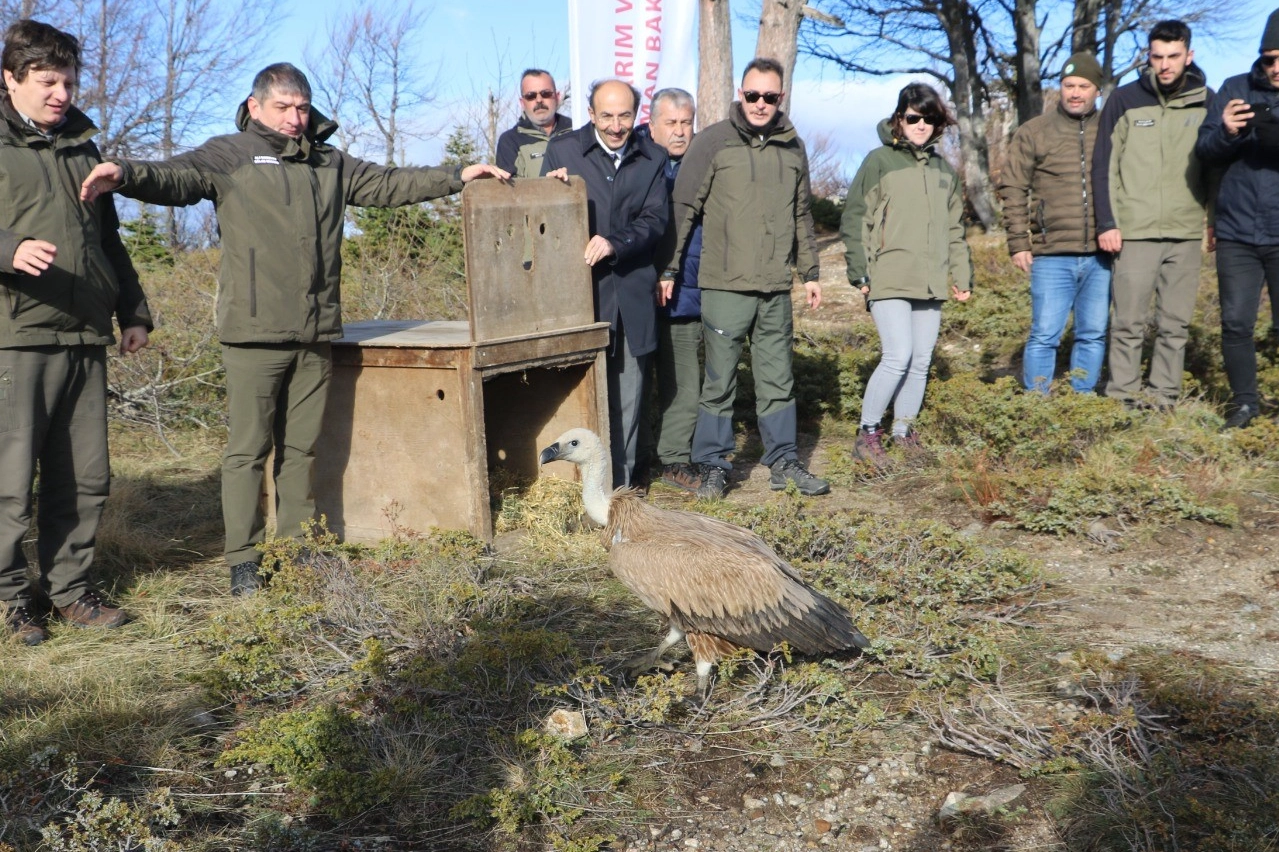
(1029, 91)
(715, 71)
(779, 35)
(957, 19)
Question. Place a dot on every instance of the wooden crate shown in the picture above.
(422, 415)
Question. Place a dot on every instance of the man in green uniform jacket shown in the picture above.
(745, 180)
(1151, 193)
(63, 273)
(280, 192)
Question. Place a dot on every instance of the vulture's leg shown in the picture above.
(704, 683)
(645, 662)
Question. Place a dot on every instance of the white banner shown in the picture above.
(651, 44)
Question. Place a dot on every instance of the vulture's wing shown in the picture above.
(715, 577)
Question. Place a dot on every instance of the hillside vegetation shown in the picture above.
(396, 697)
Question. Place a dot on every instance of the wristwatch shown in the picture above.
(864, 281)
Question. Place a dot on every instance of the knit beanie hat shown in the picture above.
(1083, 64)
(1270, 35)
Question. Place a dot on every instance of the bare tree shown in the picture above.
(940, 39)
(371, 75)
(990, 53)
(779, 22)
(715, 57)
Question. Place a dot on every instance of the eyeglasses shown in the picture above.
(1268, 61)
(770, 98)
(916, 119)
(545, 94)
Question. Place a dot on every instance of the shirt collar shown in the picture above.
(616, 156)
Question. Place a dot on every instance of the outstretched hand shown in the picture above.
(105, 177)
(484, 170)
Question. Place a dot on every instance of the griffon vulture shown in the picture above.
(720, 585)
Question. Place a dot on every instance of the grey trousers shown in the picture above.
(53, 417)
(908, 331)
(275, 399)
(1168, 272)
(679, 385)
(626, 389)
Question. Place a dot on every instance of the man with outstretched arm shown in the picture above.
(280, 192)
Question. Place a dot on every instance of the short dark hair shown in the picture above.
(924, 100)
(282, 77)
(765, 64)
(32, 45)
(536, 72)
(1170, 31)
(590, 97)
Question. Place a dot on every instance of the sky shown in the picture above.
(482, 43)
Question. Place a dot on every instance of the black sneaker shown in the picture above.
(22, 624)
(714, 482)
(787, 471)
(245, 579)
(1240, 417)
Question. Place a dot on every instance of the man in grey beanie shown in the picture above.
(1241, 136)
(1046, 189)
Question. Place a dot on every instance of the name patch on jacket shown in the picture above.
(264, 160)
(1144, 122)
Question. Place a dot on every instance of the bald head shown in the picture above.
(613, 105)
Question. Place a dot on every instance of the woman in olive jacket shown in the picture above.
(904, 244)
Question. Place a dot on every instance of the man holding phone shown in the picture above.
(1241, 136)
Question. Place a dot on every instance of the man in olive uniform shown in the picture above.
(63, 273)
(280, 192)
(745, 179)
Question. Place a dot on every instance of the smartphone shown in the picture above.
(1260, 112)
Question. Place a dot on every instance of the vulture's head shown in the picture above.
(576, 445)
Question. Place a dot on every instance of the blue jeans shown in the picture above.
(1059, 284)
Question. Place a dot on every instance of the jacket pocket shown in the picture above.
(15, 301)
(1041, 222)
(253, 282)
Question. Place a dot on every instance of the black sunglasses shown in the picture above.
(770, 98)
(1267, 61)
(916, 119)
(545, 94)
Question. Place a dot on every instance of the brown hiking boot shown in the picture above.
(91, 611)
(23, 624)
(869, 446)
(910, 444)
(682, 475)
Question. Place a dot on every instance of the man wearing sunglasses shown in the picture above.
(520, 149)
(1151, 193)
(745, 180)
(1241, 136)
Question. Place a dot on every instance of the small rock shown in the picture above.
(566, 724)
(751, 804)
(777, 761)
(835, 774)
(821, 826)
(869, 779)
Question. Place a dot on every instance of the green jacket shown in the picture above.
(71, 303)
(901, 224)
(752, 198)
(1046, 185)
(281, 208)
(1147, 180)
(522, 149)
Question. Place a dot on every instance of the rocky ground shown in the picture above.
(1214, 593)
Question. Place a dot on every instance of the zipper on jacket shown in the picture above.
(253, 280)
(1083, 175)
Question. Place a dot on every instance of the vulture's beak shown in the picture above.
(550, 454)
